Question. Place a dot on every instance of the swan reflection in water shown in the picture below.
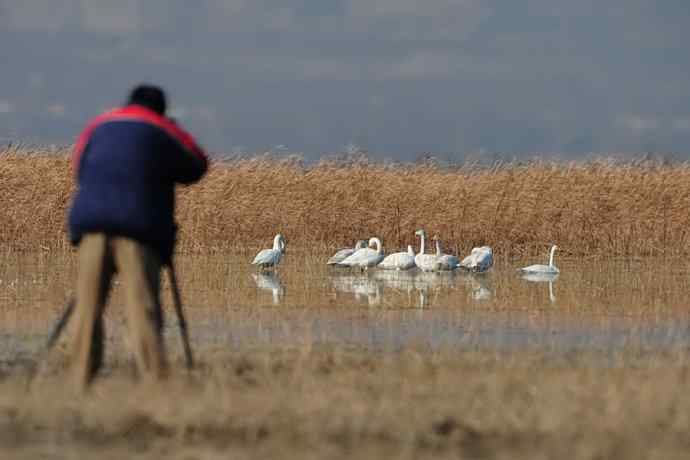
(429, 284)
(422, 288)
(396, 279)
(425, 284)
(543, 278)
(480, 288)
(402, 282)
(369, 287)
(364, 287)
(270, 282)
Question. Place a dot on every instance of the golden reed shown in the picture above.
(597, 208)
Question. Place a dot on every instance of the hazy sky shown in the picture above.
(397, 77)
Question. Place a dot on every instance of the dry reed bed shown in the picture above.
(596, 208)
(348, 403)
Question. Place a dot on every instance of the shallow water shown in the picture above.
(599, 305)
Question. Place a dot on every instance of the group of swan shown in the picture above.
(480, 260)
(363, 256)
(343, 254)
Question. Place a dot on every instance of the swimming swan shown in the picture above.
(540, 268)
(399, 260)
(345, 253)
(271, 257)
(366, 257)
(479, 260)
(447, 261)
(426, 262)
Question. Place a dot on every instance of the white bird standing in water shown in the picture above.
(267, 258)
(447, 261)
(479, 260)
(345, 253)
(426, 262)
(399, 260)
(540, 268)
(366, 257)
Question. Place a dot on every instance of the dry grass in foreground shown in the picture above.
(597, 208)
(344, 403)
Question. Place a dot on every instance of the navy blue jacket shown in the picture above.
(127, 163)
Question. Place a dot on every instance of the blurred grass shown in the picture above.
(339, 402)
(598, 208)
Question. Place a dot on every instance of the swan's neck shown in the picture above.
(553, 251)
(410, 251)
(438, 248)
(422, 237)
(278, 243)
(377, 242)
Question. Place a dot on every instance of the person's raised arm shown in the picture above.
(188, 162)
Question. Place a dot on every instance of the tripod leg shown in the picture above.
(182, 322)
(60, 325)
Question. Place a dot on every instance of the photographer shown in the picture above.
(127, 163)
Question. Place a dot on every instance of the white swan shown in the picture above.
(426, 262)
(540, 268)
(540, 277)
(447, 261)
(366, 257)
(399, 260)
(271, 257)
(345, 253)
(479, 260)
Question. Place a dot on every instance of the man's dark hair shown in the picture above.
(149, 96)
